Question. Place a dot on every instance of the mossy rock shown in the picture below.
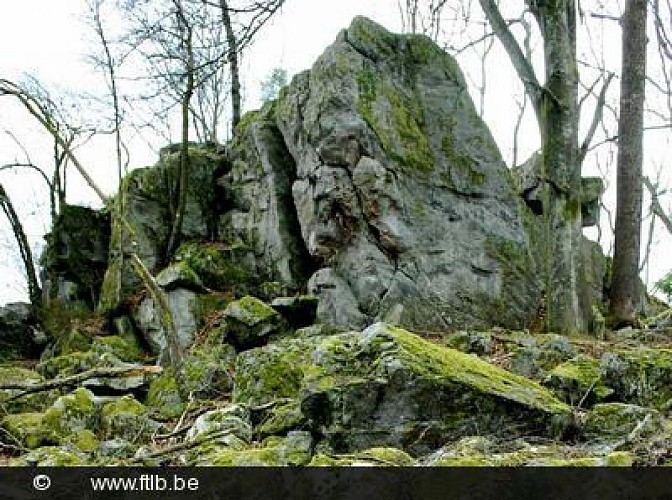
(65, 419)
(68, 364)
(128, 419)
(540, 355)
(373, 457)
(579, 380)
(280, 418)
(219, 266)
(74, 340)
(121, 348)
(233, 419)
(641, 376)
(614, 459)
(85, 440)
(250, 322)
(179, 275)
(208, 372)
(619, 422)
(386, 387)
(50, 456)
(480, 343)
(28, 430)
(72, 413)
(292, 450)
(163, 397)
(30, 403)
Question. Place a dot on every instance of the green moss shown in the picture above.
(75, 340)
(404, 139)
(28, 430)
(580, 378)
(164, 397)
(30, 403)
(274, 452)
(254, 310)
(266, 379)
(245, 121)
(381, 457)
(387, 456)
(281, 418)
(215, 264)
(422, 49)
(615, 421)
(463, 166)
(435, 361)
(126, 418)
(119, 347)
(84, 440)
(615, 459)
(49, 456)
(370, 34)
(68, 364)
(642, 376)
(71, 413)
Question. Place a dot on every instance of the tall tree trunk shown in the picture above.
(561, 168)
(233, 64)
(625, 290)
(183, 174)
(556, 109)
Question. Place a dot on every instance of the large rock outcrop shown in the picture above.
(404, 203)
(371, 183)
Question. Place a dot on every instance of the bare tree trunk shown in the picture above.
(556, 108)
(183, 175)
(233, 63)
(625, 290)
(34, 291)
(110, 68)
(561, 167)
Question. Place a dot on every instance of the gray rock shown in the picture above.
(262, 213)
(179, 276)
(182, 305)
(76, 256)
(388, 387)
(401, 194)
(146, 206)
(18, 338)
(250, 322)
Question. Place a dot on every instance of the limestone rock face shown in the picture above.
(144, 201)
(182, 304)
(404, 202)
(261, 213)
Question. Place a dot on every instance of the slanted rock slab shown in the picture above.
(388, 387)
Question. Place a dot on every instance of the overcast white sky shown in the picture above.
(49, 39)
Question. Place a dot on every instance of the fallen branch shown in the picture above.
(104, 372)
(183, 446)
